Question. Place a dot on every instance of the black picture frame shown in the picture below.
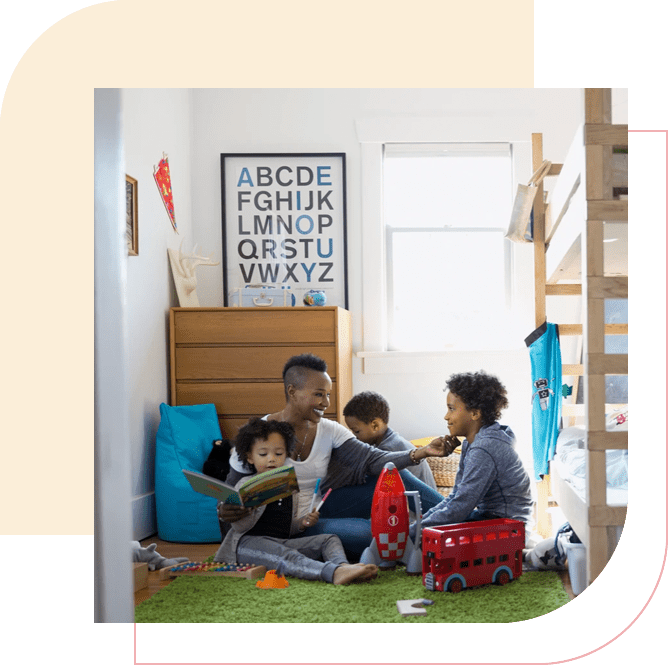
(284, 222)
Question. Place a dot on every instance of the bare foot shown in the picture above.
(356, 572)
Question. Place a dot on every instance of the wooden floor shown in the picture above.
(196, 552)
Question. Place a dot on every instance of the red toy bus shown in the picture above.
(456, 556)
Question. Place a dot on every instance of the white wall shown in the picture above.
(154, 121)
(113, 574)
(195, 126)
(250, 120)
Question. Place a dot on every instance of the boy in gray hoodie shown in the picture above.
(491, 481)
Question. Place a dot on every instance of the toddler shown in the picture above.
(269, 535)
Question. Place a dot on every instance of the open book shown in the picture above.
(259, 489)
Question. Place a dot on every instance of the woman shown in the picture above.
(327, 450)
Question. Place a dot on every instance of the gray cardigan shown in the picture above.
(349, 464)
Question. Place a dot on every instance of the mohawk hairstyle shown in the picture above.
(297, 367)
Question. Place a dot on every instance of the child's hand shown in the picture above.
(229, 512)
(310, 520)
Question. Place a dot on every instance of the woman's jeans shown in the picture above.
(347, 511)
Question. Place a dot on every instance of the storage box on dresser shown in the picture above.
(233, 357)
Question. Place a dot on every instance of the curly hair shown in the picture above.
(257, 428)
(479, 390)
(366, 406)
(296, 369)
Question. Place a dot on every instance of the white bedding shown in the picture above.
(570, 461)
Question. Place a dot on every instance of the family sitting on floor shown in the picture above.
(491, 481)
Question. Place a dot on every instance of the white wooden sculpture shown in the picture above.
(183, 269)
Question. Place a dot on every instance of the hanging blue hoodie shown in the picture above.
(491, 478)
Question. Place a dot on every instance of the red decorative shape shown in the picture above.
(164, 182)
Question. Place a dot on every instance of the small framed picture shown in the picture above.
(131, 230)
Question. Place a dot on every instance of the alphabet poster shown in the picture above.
(284, 223)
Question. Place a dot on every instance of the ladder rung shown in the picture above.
(567, 329)
(608, 363)
(563, 289)
(608, 287)
(600, 364)
(604, 134)
(607, 440)
(604, 210)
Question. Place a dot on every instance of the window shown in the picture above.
(445, 211)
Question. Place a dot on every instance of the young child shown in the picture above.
(367, 415)
(269, 534)
(491, 481)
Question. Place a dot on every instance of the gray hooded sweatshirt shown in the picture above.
(491, 478)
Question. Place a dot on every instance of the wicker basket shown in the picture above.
(444, 469)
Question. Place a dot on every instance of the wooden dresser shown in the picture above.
(233, 357)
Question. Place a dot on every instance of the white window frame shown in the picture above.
(372, 134)
(472, 150)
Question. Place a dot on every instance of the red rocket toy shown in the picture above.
(390, 525)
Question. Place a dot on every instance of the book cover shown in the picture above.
(262, 488)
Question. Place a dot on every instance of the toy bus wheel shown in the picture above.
(502, 578)
(455, 586)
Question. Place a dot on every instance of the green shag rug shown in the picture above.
(237, 600)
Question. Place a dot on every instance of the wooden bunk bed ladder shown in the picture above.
(599, 137)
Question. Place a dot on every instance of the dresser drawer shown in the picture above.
(258, 362)
(233, 357)
(252, 326)
(234, 399)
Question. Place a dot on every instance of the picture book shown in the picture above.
(259, 489)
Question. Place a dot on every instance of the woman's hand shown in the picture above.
(449, 444)
(228, 512)
(439, 447)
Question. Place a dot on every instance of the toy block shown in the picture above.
(140, 571)
(408, 608)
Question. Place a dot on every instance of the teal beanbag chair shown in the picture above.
(184, 440)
